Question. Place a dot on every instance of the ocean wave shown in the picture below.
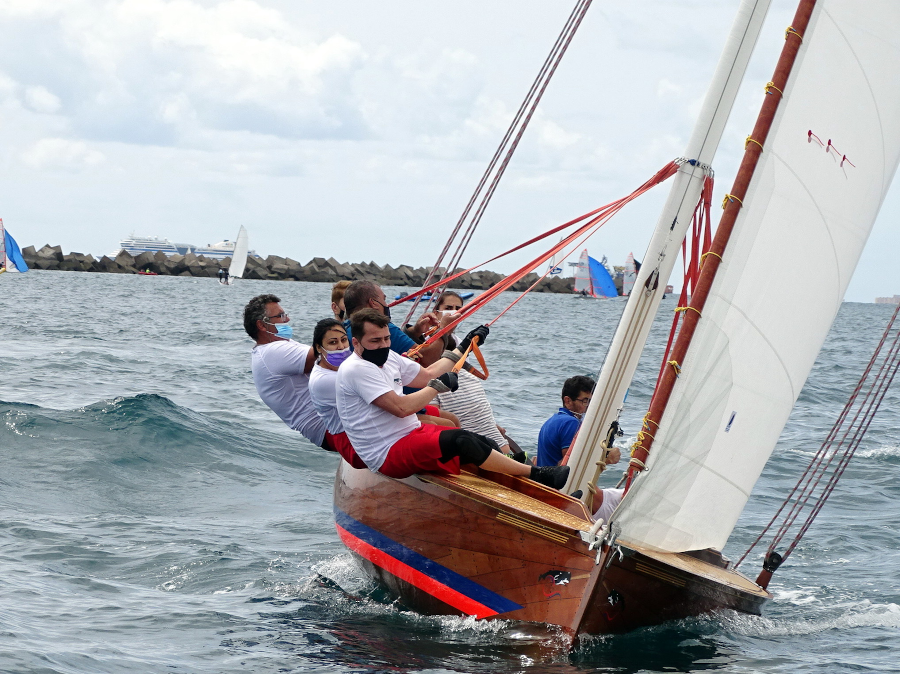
(846, 616)
(885, 452)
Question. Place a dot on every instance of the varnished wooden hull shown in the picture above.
(471, 546)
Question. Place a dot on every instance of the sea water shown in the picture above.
(157, 517)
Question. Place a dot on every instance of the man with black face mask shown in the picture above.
(381, 422)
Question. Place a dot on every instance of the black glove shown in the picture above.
(481, 332)
(446, 383)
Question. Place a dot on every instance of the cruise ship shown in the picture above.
(135, 245)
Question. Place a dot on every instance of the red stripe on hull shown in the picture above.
(405, 572)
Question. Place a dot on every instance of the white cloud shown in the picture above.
(666, 88)
(40, 99)
(59, 153)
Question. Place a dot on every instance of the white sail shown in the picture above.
(797, 240)
(630, 275)
(583, 274)
(239, 257)
(4, 263)
(662, 253)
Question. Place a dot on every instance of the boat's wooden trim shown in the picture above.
(693, 567)
(466, 545)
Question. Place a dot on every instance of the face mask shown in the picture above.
(376, 356)
(341, 314)
(283, 330)
(387, 312)
(337, 357)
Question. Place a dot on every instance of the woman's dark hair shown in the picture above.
(256, 311)
(445, 295)
(321, 329)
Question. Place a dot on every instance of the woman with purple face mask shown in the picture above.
(332, 347)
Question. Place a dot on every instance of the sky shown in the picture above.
(358, 129)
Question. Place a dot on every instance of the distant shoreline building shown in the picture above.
(135, 245)
(888, 300)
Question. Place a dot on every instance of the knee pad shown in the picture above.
(468, 446)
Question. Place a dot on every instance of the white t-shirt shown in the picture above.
(323, 392)
(372, 430)
(282, 385)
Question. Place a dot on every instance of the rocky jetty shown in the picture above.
(272, 268)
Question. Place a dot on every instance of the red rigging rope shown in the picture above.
(598, 218)
(509, 144)
(832, 458)
(702, 231)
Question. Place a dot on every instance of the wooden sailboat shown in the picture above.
(488, 546)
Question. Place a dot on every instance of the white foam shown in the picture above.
(848, 616)
(888, 451)
(798, 597)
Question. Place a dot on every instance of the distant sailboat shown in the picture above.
(630, 275)
(592, 279)
(555, 269)
(11, 259)
(239, 257)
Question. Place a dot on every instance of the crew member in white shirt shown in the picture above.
(332, 348)
(381, 422)
(281, 368)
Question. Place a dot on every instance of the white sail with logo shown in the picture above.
(583, 275)
(824, 172)
(630, 275)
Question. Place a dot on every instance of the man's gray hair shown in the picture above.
(256, 311)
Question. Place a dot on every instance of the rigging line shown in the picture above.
(605, 213)
(467, 237)
(556, 53)
(848, 452)
(873, 397)
(820, 468)
(892, 360)
(586, 231)
(660, 176)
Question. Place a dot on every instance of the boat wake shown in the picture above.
(844, 616)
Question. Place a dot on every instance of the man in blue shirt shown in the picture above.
(559, 430)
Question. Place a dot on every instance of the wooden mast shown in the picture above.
(732, 205)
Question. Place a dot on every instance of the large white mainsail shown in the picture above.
(662, 253)
(239, 256)
(826, 166)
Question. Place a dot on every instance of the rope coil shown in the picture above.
(771, 85)
(730, 198)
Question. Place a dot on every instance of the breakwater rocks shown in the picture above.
(272, 268)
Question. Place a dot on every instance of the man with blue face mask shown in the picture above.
(281, 368)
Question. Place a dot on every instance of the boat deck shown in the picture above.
(522, 496)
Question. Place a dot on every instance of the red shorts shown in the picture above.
(432, 410)
(340, 443)
(418, 452)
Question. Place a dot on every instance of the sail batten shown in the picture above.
(806, 215)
